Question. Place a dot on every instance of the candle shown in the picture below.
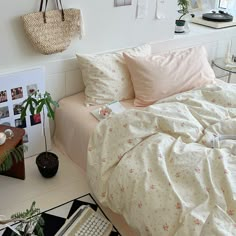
(2, 138)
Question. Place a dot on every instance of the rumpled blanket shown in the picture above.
(160, 170)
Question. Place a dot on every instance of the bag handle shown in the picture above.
(41, 6)
(62, 10)
(45, 9)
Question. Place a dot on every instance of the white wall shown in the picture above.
(106, 27)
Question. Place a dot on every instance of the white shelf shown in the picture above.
(197, 35)
(205, 31)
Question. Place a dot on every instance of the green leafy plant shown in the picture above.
(9, 156)
(30, 221)
(183, 5)
(36, 102)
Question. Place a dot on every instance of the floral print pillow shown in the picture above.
(106, 76)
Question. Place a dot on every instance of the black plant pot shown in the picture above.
(47, 163)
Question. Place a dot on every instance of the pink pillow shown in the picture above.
(159, 76)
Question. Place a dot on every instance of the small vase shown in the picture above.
(179, 26)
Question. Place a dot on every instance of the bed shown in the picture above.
(74, 126)
(164, 164)
(106, 79)
(158, 169)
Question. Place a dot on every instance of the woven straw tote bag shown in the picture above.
(51, 31)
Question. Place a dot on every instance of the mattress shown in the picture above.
(74, 125)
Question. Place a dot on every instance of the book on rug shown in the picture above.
(107, 110)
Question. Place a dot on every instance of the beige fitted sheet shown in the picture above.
(74, 125)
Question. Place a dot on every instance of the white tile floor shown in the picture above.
(69, 183)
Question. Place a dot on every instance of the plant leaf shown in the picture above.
(36, 102)
(8, 156)
(50, 110)
(40, 106)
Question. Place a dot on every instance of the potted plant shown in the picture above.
(29, 223)
(37, 103)
(183, 10)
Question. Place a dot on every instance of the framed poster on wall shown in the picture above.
(194, 4)
(223, 4)
(200, 5)
(14, 89)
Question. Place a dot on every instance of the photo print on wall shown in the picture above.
(16, 93)
(31, 89)
(3, 96)
(20, 123)
(15, 88)
(35, 119)
(4, 112)
(17, 109)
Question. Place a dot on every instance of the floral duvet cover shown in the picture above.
(166, 169)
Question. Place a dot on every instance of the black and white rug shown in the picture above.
(55, 218)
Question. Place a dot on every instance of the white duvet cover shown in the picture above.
(158, 169)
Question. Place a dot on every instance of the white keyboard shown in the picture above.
(86, 222)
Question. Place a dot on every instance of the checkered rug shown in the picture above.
(55, 218)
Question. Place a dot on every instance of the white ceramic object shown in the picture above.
(9, 133)
(179, 29)
(2, 138)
